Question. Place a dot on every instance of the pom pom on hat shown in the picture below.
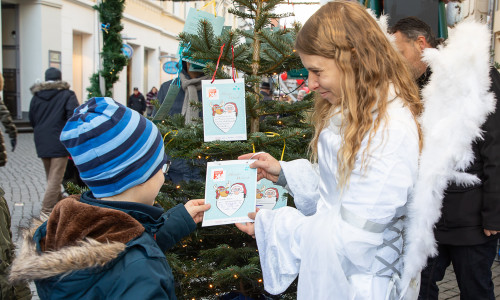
(114, 148)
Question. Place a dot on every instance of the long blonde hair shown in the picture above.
(345, 31)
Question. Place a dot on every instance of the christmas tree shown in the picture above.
(111, 60)
(220, 260)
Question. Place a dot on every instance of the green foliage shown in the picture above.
(217, 260)
(113, 60)
(73, 189)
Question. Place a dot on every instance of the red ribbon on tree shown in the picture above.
(233, 70)
(218, 60)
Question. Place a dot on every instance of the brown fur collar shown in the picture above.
(78, 236)
(49, 85)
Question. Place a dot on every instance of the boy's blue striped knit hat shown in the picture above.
(113, 147)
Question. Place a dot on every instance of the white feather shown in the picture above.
(456, 104)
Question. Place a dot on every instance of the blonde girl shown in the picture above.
(345, 238)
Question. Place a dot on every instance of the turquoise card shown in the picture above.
(224, 111)
(270, 195)
(231, 187)
(195, 16)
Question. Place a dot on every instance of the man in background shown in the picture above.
(52, 105)
(467, 231)
(137, 102)
(265, 91)
(190, 91)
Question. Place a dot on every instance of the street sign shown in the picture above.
(127, 50)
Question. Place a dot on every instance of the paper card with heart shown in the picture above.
(270, 195)
(224, 114)
(231, 187)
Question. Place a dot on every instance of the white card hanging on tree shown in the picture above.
(224, 113)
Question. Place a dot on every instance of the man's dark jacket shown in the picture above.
(137, 103)
(179, 99)
(467, 210)
(51, 106)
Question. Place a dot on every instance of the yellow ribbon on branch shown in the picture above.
(175, 132)
(214, 4)
(273, 134)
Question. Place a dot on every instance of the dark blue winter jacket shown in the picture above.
(52, 105)
(93, 249)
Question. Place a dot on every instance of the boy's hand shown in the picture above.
(196, 208)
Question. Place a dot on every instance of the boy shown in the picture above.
(108, 242)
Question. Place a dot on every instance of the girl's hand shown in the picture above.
(267, 166)
(248, 227)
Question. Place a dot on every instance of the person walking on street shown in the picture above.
(10, 129)
(137, 102)
(152, 95)
(52, 105)
(8, 291)
(265, 91)
(469, 220)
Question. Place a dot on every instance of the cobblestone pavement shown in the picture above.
(23, 180)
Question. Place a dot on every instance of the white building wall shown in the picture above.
(78, 17)
(30, 38)
(120, 87)
(153, 70)
(137, 68)
(51, 31)
(59, 24)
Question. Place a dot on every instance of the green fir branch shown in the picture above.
(113, 60)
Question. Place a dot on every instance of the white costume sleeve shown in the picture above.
(278, 244)
(302, 179)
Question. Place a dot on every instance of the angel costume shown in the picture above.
(351, 247)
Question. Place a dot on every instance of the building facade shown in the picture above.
(37, 34)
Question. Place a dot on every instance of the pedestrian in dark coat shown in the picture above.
(10, 130)
(152, 95)
(467, 232)
(265, 91)
(109, 243)
(137, 102)
(51, 106)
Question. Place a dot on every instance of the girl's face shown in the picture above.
(324, 76)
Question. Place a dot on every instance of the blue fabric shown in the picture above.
(472, 266)
(139, 272)
(135, 274)
(113, 147)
